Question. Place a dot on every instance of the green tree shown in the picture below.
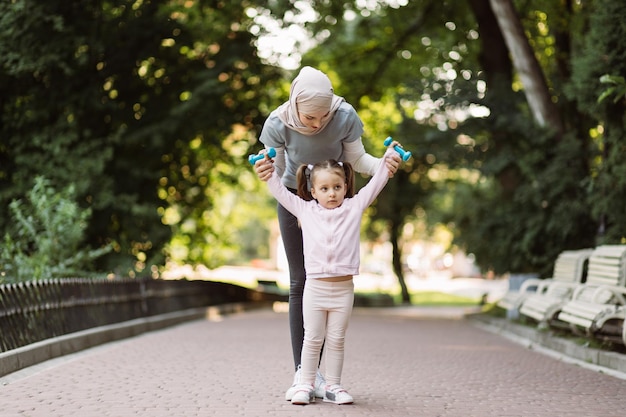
(536, 207)
(135, 103)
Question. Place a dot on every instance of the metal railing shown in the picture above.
(38, 310)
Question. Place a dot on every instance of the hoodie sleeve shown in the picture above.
(370, 191)
(286, 198)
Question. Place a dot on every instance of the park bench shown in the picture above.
(570, 267)
(599, 312)
(545, 307)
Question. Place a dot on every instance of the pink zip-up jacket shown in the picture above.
(331, 237)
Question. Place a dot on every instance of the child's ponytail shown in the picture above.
(349, 172)
(302, 181)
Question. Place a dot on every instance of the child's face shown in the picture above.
(329, 188)
(312, 120)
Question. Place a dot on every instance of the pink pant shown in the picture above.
(326, 309)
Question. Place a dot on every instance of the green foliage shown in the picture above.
(528, 205)
(617, 88)
(521, 194)
(46, 236)
(239, 220)
(149, 110)
(539, 192)
(603, 51)
(134, 103)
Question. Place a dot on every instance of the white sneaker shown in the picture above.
(337, 395)
(303, 395)
(320, 385)
(294, 387)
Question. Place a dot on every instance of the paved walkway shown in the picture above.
(239, 365)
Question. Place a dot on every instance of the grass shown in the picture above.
(434, 298)
(431, 299)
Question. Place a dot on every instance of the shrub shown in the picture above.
(45, 236)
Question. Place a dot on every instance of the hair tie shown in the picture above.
(340, 163)
(310, 167)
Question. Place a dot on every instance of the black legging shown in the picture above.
(292, 241)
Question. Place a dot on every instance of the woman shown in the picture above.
(313, 125)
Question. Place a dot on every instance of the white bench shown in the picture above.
(545, 307)
(569, 267)
(600, 311)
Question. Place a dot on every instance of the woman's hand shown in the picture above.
(264, 168)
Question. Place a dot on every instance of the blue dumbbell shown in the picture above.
(271, 152)
(404, 154)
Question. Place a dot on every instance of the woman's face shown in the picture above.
(312, 120)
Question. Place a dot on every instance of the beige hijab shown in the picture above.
(311, 92)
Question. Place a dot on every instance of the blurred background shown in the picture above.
(126, 127)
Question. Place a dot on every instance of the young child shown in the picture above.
(330, 216)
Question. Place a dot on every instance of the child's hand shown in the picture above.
(264, 168)
(394, 160)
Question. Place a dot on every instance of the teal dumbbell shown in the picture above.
(271, 152)
(404, 154)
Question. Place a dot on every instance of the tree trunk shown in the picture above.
(494, 55)
(495, 60)
(397, 260)
(535, 87)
